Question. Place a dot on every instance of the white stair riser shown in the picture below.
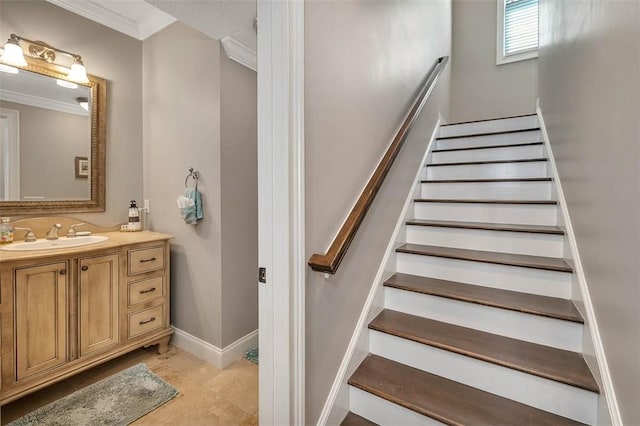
(515, 278)
(511, 153)
(488, 190)
(383, 412)
(489, 171)
(560, 334)
(549, 245)
(498, 125)
(544, 394)
(525, 214)
(489, 140)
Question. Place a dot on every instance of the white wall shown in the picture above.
(481, 89)
(364, 62)
(590, 99)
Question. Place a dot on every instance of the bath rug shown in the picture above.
(252, 355)
(117, 400)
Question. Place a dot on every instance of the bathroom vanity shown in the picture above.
(64, 310)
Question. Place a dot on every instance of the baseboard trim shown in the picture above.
(340, 380)
(607, 382)
(219, 358)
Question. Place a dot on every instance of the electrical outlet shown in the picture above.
(146, 206)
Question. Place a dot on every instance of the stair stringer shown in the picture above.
(337, 403)
(593, 350)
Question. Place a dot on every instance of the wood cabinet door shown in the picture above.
(98, 286)
(41, 318)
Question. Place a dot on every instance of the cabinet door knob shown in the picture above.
(85, 268)
(63, 271)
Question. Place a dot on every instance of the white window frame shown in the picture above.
(500, 57)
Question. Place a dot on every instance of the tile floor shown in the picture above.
(208, 396)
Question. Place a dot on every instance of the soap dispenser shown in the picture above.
(134, 217)
(6, 230)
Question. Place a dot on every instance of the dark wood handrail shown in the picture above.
(330, 261)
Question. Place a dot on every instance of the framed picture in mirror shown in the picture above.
(82, 167)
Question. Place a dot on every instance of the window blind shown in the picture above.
(520, 26)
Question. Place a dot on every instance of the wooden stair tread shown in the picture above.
(471, 148)
(507, 227)
(445, 400)
(543, 361)
(473, 163)
(528, 179)
(488, 119)
(483, 201)
(500, 132)
(550, 307)
(352, 419)
(527, 261)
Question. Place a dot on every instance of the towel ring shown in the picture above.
(192, 174)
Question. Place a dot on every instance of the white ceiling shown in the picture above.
(216, 18)
(140, 19)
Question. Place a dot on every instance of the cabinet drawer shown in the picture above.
(146, 260)
(145, 321)
(142, 291)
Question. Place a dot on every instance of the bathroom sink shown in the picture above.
(62, 242)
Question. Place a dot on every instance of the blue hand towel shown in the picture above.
(193, 212)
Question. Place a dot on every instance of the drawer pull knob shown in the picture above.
(85, 268)
(149, 290)
(147, 321)
(63, 272)
(153, 259)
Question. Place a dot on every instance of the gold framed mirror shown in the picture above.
(91, 176)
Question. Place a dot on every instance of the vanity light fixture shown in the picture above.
(13, 55)
(84, 103)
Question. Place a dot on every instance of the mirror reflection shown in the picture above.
(45, 137)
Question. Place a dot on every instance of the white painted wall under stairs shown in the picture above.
(545, 394)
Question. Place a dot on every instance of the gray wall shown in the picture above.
(239, 205)
(360, 77)
(181, 107)
(107, 54)
(49, 142)
(589, 71)
(202, 114)
(479, 88)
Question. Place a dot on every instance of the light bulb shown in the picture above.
(66, 84)
(13, 54)
(84, 103)
(78, 72)
(8, 69)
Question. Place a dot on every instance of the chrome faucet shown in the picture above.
(53, 232)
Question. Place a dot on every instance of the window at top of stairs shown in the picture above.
(517, 30)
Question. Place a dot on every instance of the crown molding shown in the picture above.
(240, 53)
(37, 101)
(101, 13)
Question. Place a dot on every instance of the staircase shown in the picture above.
(478, 327)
